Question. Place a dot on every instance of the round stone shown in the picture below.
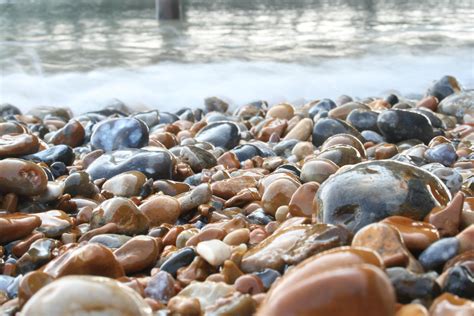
(399, 125)
(371, 191)
(125, 184)
(22, 177)
(74, 295)
(220, 134)
(120, 133)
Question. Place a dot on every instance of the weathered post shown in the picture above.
(168, 9)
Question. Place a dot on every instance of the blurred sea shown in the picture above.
(83, 53)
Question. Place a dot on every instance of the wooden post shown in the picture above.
(168, 9)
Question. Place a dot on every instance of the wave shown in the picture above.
(169, 86)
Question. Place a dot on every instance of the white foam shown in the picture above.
(169, 86)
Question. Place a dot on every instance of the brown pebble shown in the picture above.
(139, 253)
(184, 306)
(16, 226)
(303, 201)
(416, 235)
(448, 219)
(387, 242)
(89, 259)
(448, 304)
(18, 145)
(249, 284)
(31, 283)
(161, 209)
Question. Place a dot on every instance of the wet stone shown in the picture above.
(442, 153)
(88, 259)
(220, 134)
(120, 133)
(399, 125)
(327, 127)
(317, 170)
(79, 183)
(16, 226)
(410, 286)
(460, 105)
(443, 87)
(313, 279)
(39, 253)
(448, 304)
(292, 245)
(138, 253)
(324, 105)
(341, 155)
(32, 283)
(84, 295)
(161, 210)
(277, 194)
(460, 281)
(157, 164)
(72, 134)
(125, 184)
(179, 259)
(54, 223)
(206, 292)
(112, 241)
(161, 287)
(124, 213)
(363, 120)
(391, 188)
(22, 177)
(18, 145)
(438, 253)
(416, 235)
(8, 109)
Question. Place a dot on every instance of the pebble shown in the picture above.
(161, 209)
(459, 105)
(179, 259)
(17, 226)
(392, 188)
(156, 164)
(161, 287)
(301, 131)
(139, 253)
(416, 235)
(399, 125)
(18, 145)
(363, 120)
(206, 292)
(410, 286)
(54, 223)
(363, 288)
(214, 251)
(22, 177)
(126, 184)
(451, 305)
(120, 133)
(277, 194)
(388, 243)
(72, 134)
(220, 134)
(447, 220)
(293, 245)
(250, 213)
(237, 237)
(89, 259)
(327, 127)
(74, 295)
(303, 202)
(124, 213)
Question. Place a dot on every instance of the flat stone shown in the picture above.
(120, 133)
(138, 253)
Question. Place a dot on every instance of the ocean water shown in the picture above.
(84, 53)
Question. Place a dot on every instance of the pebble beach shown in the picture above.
(335, 207)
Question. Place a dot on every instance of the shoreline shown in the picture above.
(262, 209)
